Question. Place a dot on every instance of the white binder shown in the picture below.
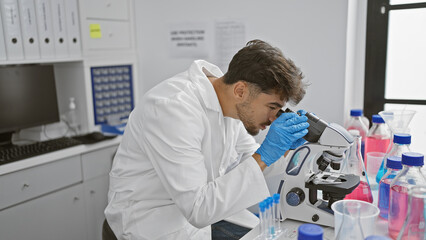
(29, 29)
(73, 28)
(12, 29)
(45, 28)
(3, 56)
(59, 28)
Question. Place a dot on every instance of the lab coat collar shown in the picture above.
(199, 72)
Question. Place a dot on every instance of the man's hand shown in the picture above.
(285, 132)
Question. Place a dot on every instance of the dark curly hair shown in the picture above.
(265, 67)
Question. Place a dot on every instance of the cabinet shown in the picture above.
(59, 215)
(95, 193)
(62, 199)
(96, 167)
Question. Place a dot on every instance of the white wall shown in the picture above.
(326, 39)
(312, 33)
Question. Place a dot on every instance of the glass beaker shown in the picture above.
(398, 122)
(355, 165)
(350, 228)
(414, 225)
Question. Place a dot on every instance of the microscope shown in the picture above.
(314, 167)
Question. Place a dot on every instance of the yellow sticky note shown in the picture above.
(95, 31)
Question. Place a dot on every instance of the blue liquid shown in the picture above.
(384, 189)
(384, 195)
(381, 172)
(362, 150)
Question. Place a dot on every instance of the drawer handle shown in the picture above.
(25, 185)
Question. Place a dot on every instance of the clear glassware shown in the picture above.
(398, 121)
(351, 225)
(355, 165)
(378, 137)
(409, 177)
(356, 122)
(414, 227)
(394, 167)
(401, 144)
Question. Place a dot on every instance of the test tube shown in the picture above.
(262, 219)
(277, 212)
(270, 230)
(272, 222)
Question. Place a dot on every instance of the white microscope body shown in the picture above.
(308, 171)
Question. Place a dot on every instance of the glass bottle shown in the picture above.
(71, 116)
(309, 231)
(401, 144)
(394, 166)
(409, 176)
(356, 122)
(351, 225)
(414, 224)
(378, 137)
(355, 165)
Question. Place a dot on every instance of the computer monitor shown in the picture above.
(27, 98)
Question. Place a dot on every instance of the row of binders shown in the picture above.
(39, 29)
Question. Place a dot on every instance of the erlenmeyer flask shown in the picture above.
(351, 225)
(355, 165)
(415, 222)
(398, 122)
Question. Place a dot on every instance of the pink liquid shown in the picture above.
(375, 144)
(362, 192)
(398, 211)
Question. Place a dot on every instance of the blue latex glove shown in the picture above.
(284, 132)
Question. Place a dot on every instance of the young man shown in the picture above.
(187, 158)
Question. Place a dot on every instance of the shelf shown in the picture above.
(39, 61)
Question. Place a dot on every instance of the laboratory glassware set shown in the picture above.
(401, 183)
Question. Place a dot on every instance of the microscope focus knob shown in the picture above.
(295, 197)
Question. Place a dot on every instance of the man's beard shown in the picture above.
(243, 110)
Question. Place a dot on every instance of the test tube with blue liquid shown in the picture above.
(271, 217)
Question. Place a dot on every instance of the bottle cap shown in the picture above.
(376, 237)
(262, 206)
(276, 198)
(309, 231)
(412, 159)
(394, 162)
(402, 138)
(377, 119)
(356, 112)
(270, 201)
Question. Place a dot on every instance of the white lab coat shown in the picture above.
(182, 165)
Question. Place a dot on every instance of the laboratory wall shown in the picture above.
(312, 33)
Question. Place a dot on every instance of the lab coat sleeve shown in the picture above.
(173, 137)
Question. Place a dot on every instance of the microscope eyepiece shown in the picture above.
(316, 125)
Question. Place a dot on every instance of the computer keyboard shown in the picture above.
(13, 153)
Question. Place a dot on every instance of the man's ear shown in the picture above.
(241, 91)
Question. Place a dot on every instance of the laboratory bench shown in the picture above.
(58, 195)
(292, 225)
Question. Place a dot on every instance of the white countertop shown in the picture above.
(56, 155)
